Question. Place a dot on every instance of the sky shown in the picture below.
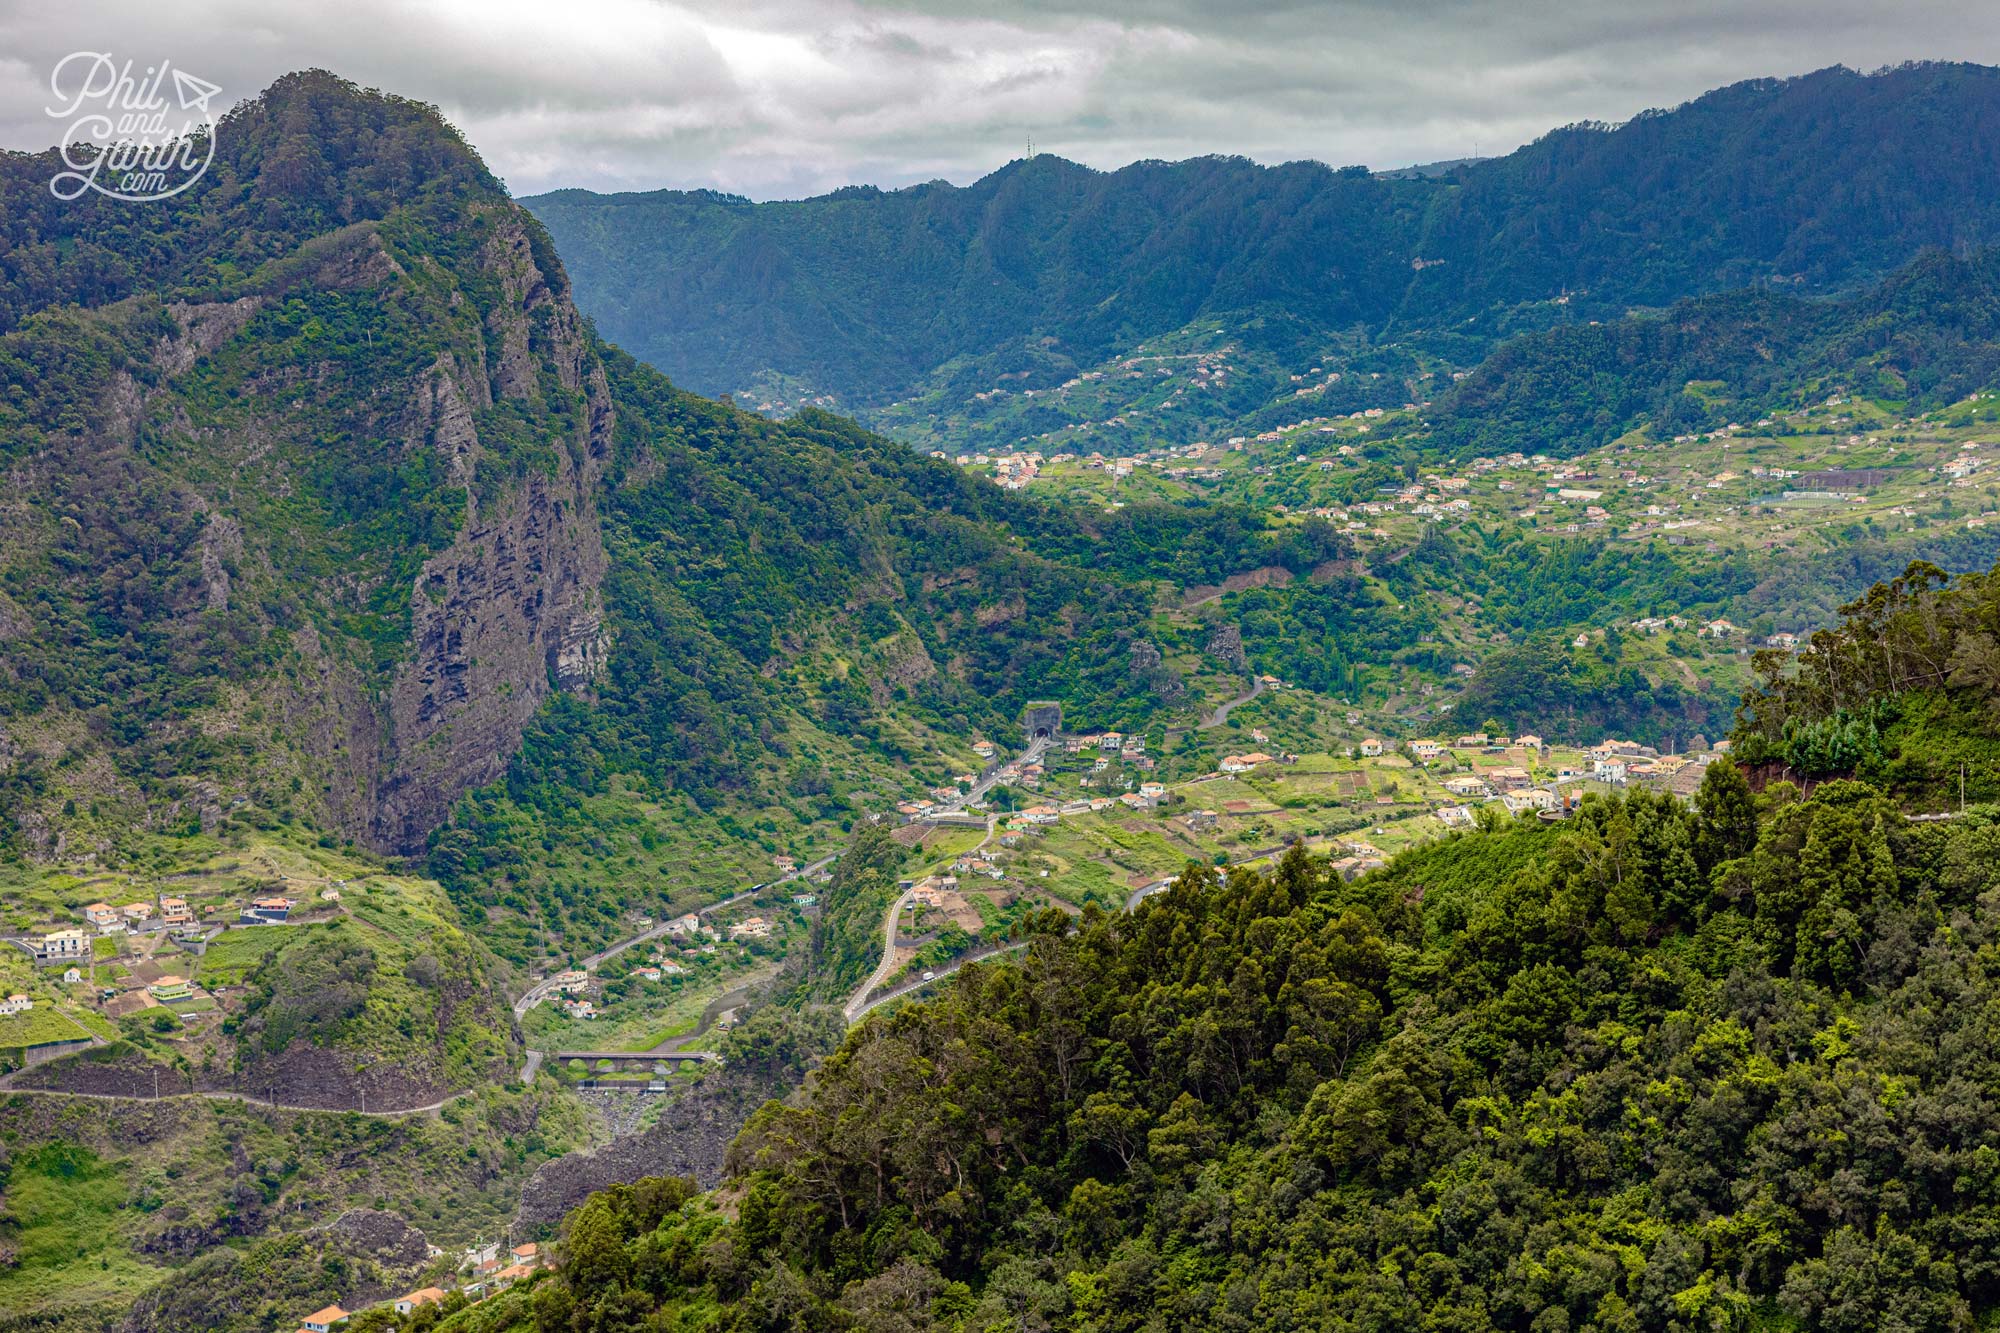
(788, 98)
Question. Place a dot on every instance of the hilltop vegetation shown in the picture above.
(1658, 1067)
(1927, 336)
(1900, 693)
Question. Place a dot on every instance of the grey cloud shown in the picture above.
(777, 98)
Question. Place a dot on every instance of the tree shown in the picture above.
(1728, 811)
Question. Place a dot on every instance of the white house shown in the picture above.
(70, 943)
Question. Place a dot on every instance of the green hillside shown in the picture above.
(1656, 1067)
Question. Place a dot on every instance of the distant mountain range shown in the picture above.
(932, 311)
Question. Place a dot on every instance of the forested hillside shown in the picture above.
(1045, 271)
(1927, 336)
(1900, 693)
(1660, 1066)
(335, 512)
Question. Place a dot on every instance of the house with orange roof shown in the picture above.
(322, 1321)
(421, 1296)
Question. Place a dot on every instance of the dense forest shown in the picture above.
(1928, 335)
(1662, 1066)
(1900, 693)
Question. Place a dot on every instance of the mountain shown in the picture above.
(342, 562)
(331, 511)
(1925, 337)
(932, 310)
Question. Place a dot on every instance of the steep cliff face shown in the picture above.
(514, 607)
(323, 516)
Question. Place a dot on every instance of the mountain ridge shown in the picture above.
(912, 307)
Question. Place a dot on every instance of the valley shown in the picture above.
(1392, 724)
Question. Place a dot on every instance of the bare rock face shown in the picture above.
(1225, 645)
(514, 603)
(514, 608)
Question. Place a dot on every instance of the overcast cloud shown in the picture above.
(783, 98)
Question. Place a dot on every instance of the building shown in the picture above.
(137, 912)
(15, 1004)
(1371, 747)
(175, 912)
(422, 1296)
(755, 928)
(322, 1321)
(103, 915)
(171, 988)
(70, 943)
(266, 912)
(529, 1254)
(684, 925)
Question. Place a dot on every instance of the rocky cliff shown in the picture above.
(339, 495)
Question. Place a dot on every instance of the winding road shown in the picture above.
(1223, 710)
(857, 1003)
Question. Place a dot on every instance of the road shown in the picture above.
(542, 989)
(1223, 710)
(857, 1003)
(856, 1015)
(1036, 749)
(426, 1109)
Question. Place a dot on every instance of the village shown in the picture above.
(1791, 481)
(483, 1270)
